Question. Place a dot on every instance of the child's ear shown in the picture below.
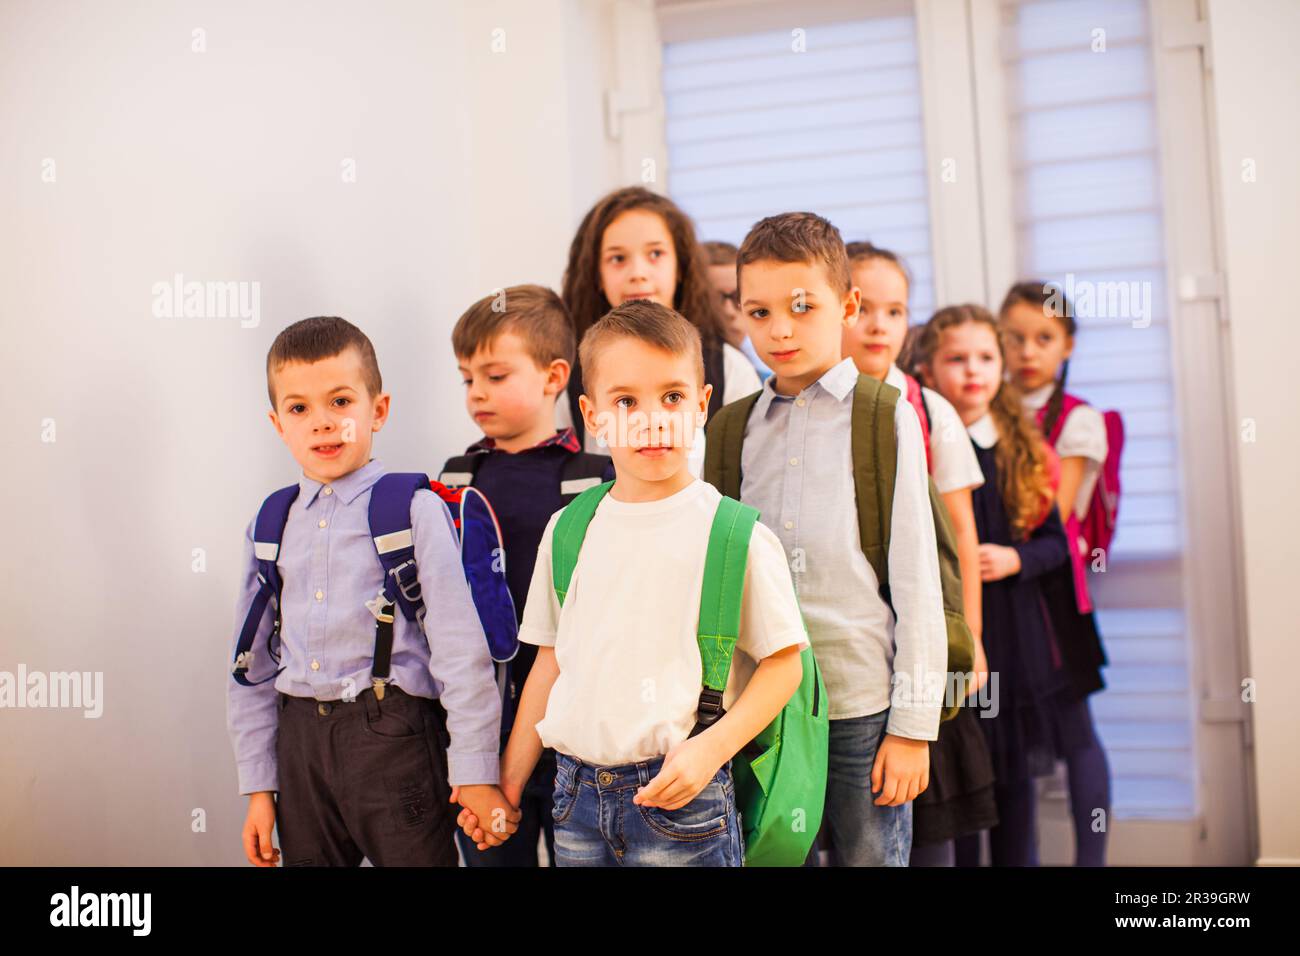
(852, 306)
(588, 411)
(927, 379)
(381, 411)
(557, 377)
(275, 420)
(702, 415)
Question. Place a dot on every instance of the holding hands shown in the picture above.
(499, 806)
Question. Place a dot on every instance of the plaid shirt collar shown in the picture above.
(564, 437)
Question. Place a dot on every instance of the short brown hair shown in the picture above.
(645, 321)
(533, 312)
(798, 237)
(720, 253)
(322, 337)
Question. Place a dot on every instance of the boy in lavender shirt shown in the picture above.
(346, 774)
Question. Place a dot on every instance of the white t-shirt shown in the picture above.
(625, 642)
(955, 464)
(739, 379)
(1082, 436)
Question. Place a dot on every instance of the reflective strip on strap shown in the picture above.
(266, 550)
(393, 541)
(455, 479)
(576, 485)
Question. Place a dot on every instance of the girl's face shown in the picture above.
(966, 368)
(1036, 344)
(638, 259)
(876, 339)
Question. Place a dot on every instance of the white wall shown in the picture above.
(1256, 78)
(472, 168)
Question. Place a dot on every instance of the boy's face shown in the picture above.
(646, 403)
(325, 414)
(723, 280)
(506, 392)
(966, 368)
(1036, 345)
(877, 338)
(795, 319)
(638, 259)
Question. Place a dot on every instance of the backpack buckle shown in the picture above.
(409, 586)
(242, 663)
(709, 711)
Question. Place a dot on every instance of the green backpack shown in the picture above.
(874, 454)
(780, 776)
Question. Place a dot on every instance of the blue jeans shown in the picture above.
(862, 833)
(597, 824)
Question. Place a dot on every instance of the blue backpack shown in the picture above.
(390, 528)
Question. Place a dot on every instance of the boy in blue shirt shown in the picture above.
(346, 774)
(514, 352)
(882, 654)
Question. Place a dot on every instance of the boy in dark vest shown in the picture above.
(351, 721)
(514, 351)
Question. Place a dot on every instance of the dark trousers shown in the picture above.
(364, 778)
(536, 820)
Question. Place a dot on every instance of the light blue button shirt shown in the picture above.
(330, 570)
(797, 470)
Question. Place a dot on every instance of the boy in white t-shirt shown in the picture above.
(616, 684)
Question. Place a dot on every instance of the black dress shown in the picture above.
(1025, 672)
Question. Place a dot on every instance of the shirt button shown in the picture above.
(328, 491)
(322, 522)
(800, 402)
(315, 665)
(320, 595)
(793, 461)
(789, 525)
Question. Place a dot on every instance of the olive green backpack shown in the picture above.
(874, 455)
(780, 776)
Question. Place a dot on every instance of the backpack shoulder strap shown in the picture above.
(582, 470)
(268, 531)
(458, 472)
(390, 527)
(570, 530)
(725, 435)
(875, 464)
(721, 597)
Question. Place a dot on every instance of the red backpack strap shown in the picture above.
(916, 399)
(1068, 404)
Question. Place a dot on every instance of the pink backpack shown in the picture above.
(1097, 526)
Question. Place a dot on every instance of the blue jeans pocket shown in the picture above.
(705, 817)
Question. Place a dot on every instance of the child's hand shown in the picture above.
(486, 802)
(998, 562)
(901, 771)
(687, 769)
(257, 830)
(469, 822)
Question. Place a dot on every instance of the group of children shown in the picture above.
(366, 707)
